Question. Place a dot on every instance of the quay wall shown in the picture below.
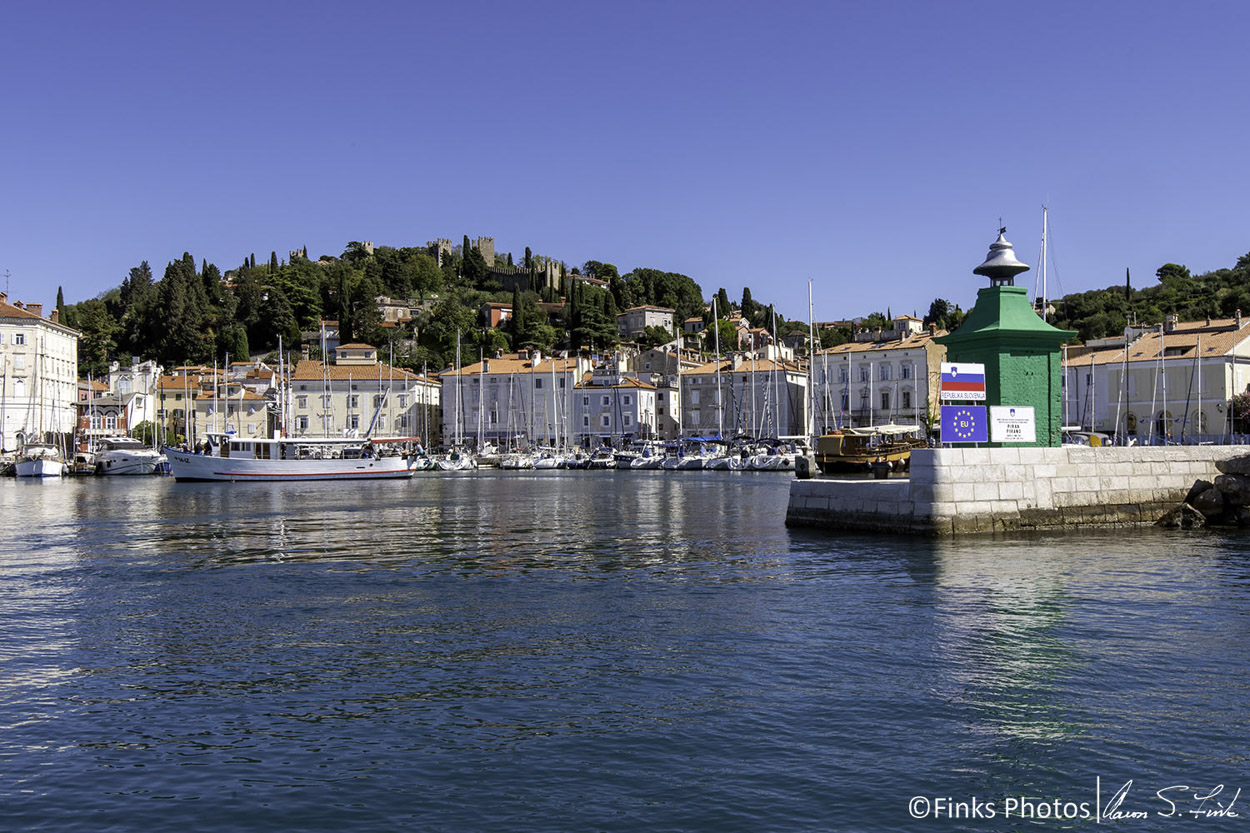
(953, 491)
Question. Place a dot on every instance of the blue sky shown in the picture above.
(869, 147)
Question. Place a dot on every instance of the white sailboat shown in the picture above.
(39, 458)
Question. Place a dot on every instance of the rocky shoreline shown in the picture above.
(1224, 502)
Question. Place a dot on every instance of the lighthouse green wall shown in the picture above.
(1021, 354)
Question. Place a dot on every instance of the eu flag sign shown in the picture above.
(964, 424)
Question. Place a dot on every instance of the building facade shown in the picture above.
(746, 395)
(864, 383)
(357, 395)
(38, 375)
(1172, 384)
(512, 399)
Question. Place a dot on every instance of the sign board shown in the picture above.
(1012, 424)
(964, 424)
(963, 381)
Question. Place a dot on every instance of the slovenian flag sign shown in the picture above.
(964, 424)
(963, 381)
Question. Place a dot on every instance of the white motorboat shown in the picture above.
(126, 455)
(228, 457)
(40, 460)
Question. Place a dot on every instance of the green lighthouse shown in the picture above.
(1020, 351)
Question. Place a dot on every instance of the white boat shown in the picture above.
(602, 458)
(649, 458)
(39, 460)
(516, 460)
(549, 458)
(457, 460)
(231, 458)
(126, 455)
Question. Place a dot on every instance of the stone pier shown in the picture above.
(953, 491)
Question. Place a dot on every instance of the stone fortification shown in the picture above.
(954, 491)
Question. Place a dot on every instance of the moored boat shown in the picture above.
(126, 455)
(226, 457)
(39, 460)
(857, 449)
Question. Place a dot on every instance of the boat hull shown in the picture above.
(41, 467)
(128, 463)
(184, 465)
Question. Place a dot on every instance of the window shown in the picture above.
(606, 421)
(906, 399)
(19, 339)
(110, 422)
(585, 422)
(95, 421)
(302, 423)
(538, 384)
(694, 397)
(353, 421)
(627, 400)
(863, 373)
(561, 384)
(403, 401)
(607, 400)
(627, 421)
(325, 401)
(885, 400)
(884, 373)
(842, 375)
(353, 401)
(585, 401)
(695, 417)
(905, 372)
(19, 361)
(377, 400)
(301, 401)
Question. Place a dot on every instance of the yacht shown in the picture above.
(126, 455)
(231, 458)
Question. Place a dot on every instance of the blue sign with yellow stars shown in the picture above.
(965, 424)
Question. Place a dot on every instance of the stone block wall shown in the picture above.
(965, 490)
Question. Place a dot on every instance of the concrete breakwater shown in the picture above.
(954, 491)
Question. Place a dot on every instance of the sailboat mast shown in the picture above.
(811, 364)
(1043, 262)
(720, 405)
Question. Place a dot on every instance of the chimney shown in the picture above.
(1169, 323)
(933, 329)
(54, 316)
(1239, 319)
(4, 297)
(37, 309)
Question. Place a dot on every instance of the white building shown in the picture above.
(635, 320)
(757, 395)
(358, 395)
(38, 375)
(864, 383)
(612, 407)
(1175, 381)
(509, 397)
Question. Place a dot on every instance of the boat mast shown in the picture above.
(811, 364)
(1042, 259)
(720, 405)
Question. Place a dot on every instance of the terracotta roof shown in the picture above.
(1219, 338)
(7, 310)
(760, 366)
(355, 346)
(912, 342)
(310, 370)
(623, 382)
(512, 363)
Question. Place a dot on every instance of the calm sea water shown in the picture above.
(593, 652)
